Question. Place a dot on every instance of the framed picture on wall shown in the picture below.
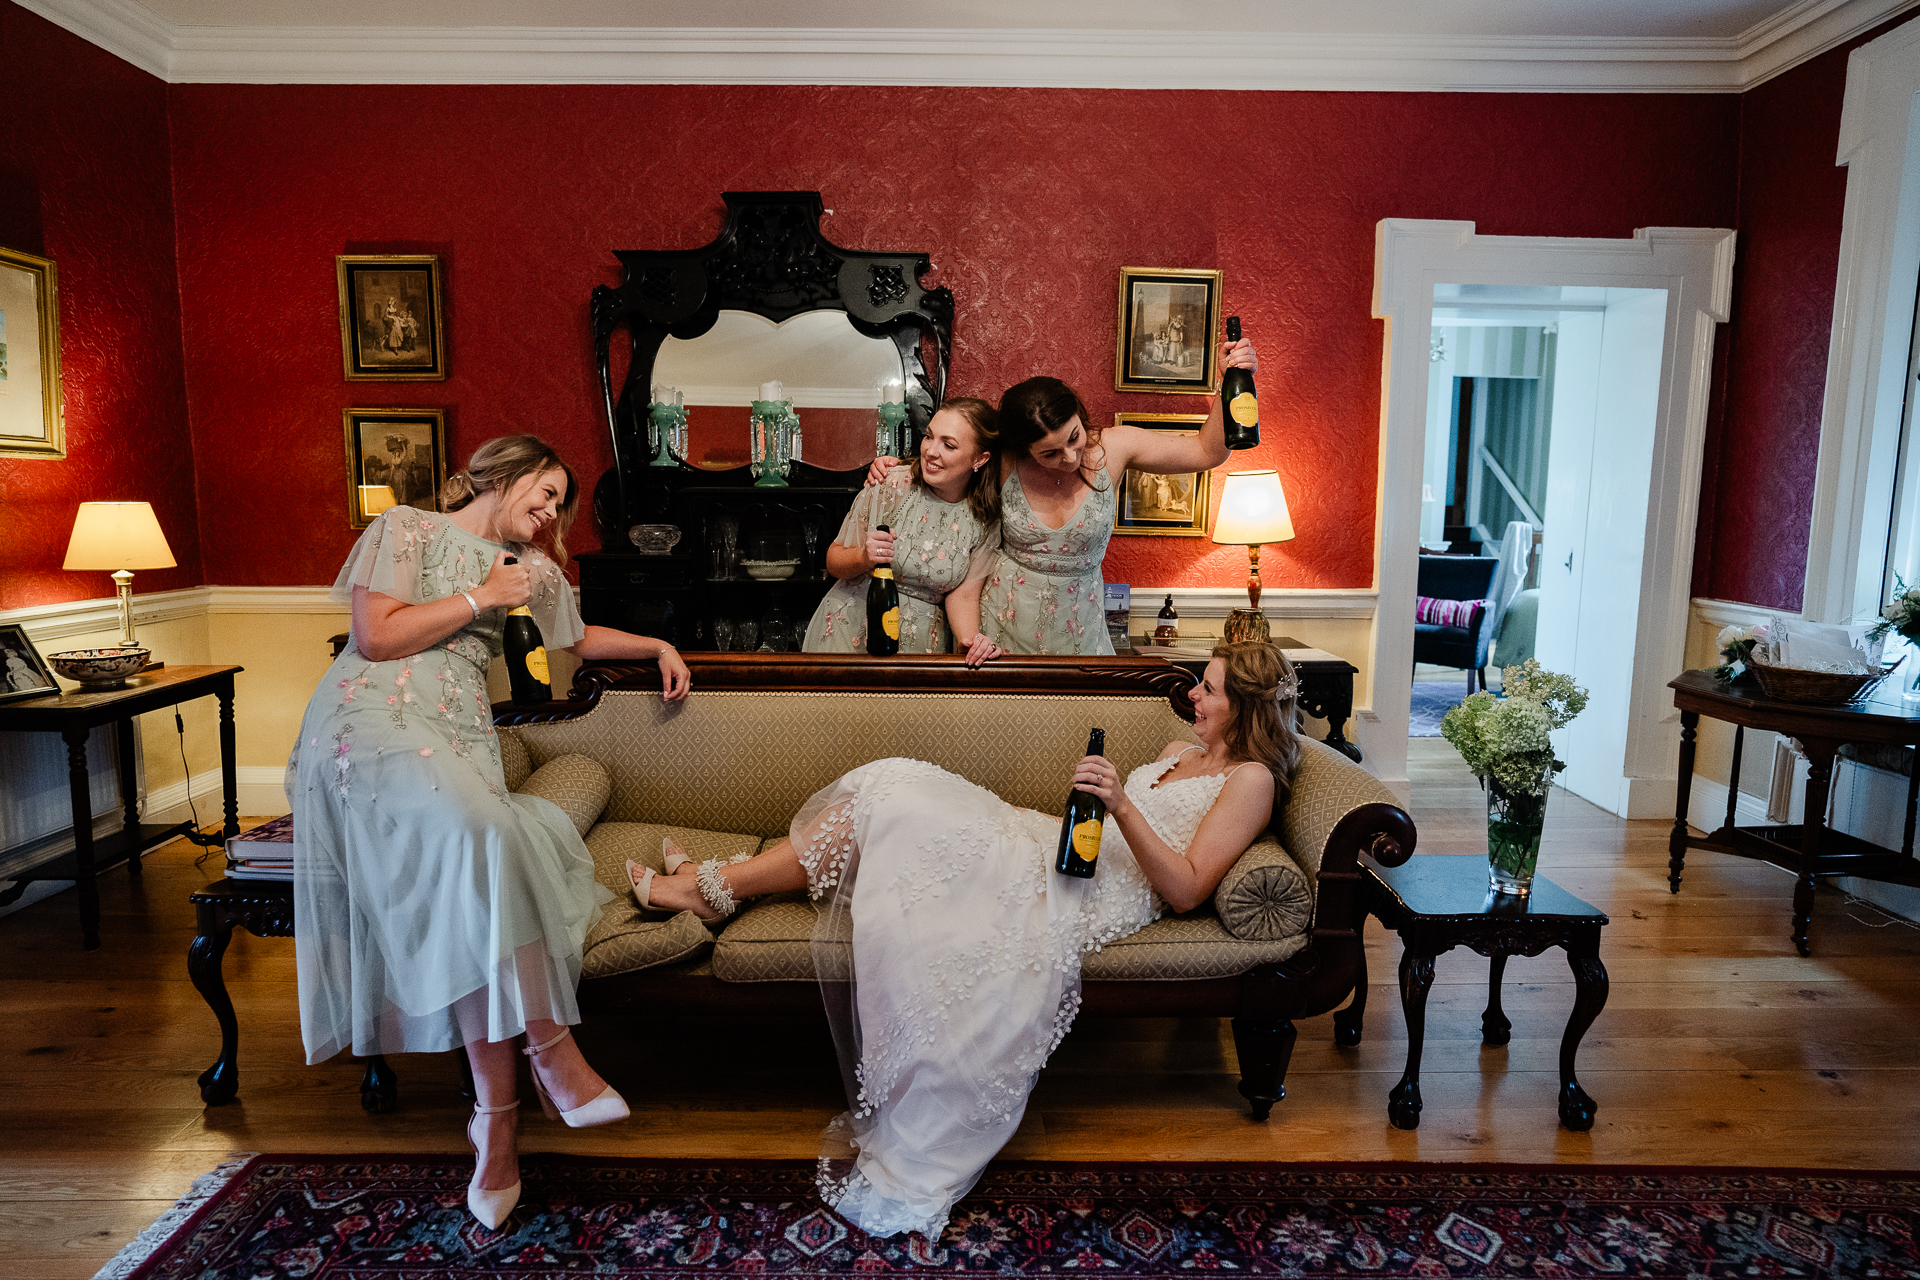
(1154, 506)
(32, 407)
(23, 672)
(390, 318)
(1168, 319)
(395, 458)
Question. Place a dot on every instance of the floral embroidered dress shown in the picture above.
(937, 547)
(963, 972)
(1043, 593)
(435, 907)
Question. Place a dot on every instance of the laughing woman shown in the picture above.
(436, 908)
(942, 515)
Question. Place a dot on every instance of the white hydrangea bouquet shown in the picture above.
(1505, 742)
(1902, 614)
(1736, 649)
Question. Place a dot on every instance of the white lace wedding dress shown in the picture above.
(963, 971)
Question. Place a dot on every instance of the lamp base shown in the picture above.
(1246, 624)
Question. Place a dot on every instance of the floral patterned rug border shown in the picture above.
(403, 1218)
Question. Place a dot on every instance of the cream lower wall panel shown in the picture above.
(285, 655)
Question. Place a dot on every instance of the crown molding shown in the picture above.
(963, 57)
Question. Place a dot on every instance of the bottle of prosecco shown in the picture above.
(526, 654)
(883, 610)
(1238, 401)
(1086, 818)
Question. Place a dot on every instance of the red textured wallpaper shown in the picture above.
(1028, 200)
(84, 181)
(1756, 500)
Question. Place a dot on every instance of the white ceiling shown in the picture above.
(1489, 45)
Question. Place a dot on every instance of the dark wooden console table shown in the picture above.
(73, 716)
(1438, 902)
(1810, 849)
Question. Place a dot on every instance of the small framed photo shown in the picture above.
(32, 404)
(390, 318)
(1153, 506)
(395, 458)
(25, 673)
(1168, 319)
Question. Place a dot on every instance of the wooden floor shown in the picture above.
(1718, 1045)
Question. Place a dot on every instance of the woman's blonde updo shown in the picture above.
(1263, 692)
(505, 461)
(983, 486)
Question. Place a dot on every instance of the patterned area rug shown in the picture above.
(386, 1218)
(1431, 700)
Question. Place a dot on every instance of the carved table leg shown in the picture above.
(129, 788)
(1590, 996)
(1416, 979)
(82, 802)
(1813, 830)
(229, 769)
(1495, 1028)
(1264, 1047)
(221, 1081)
(1677, 841)
(1338, 707)
(379, 1087)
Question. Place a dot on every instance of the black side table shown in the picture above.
(1437, 902)
(73, 716)
(263, 908)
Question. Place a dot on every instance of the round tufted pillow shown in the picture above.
(1264, 896)
(578, 784)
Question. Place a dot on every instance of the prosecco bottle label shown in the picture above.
(537, 665)
(1245, 409)
(890, 623)
(1086, 839)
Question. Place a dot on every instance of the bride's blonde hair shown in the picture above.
(505, 461)
(1263, 692)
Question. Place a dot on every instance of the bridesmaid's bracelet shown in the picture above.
(470, 604)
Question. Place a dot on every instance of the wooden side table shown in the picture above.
(1811, 849)
(1438, 902)
(263, 908)
(73, 716)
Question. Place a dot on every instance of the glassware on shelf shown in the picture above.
(773, 630)
(811, 527)
(723, 634)
(726, 530)
(748, 632)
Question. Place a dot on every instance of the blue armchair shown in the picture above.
(1457, 578)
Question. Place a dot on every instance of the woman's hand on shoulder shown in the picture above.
(877, 473)
(507, 586)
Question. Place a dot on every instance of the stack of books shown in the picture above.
(264, 853)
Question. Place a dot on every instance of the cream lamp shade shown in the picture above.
(1253, 510)
(117, 535)
(375, 498)
(122, 537)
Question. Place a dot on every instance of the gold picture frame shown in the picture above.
(390, 321)
(33, 409)
(1157, 506)
(400, 451)
(1165, 342)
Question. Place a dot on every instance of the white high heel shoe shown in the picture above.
(671, 855)
(640, 875)
(490, 1206)
(604, 1109)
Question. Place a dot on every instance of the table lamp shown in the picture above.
(121, 536)
(1253, 511)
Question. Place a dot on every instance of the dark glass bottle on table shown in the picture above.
(526, 654)
(1085, 819)
(1238, 402)
(883, 610)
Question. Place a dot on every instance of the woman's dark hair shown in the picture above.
(1262, 690)
(983, 486)
(1034, 409)
(505, 461)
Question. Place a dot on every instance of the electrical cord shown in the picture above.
(209, 843)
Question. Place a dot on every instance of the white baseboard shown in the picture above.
(1707, 806)
(261, 790)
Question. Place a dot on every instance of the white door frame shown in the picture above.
(1695, 267)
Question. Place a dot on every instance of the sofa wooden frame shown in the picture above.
(1264, 1002)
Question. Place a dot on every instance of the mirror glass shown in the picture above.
(830, 372)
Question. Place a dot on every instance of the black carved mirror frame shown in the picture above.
(769, 259)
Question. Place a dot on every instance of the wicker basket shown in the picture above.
(1814, 688)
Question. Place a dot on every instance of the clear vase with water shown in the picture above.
(1515, 820)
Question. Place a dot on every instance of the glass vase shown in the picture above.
(1515, 820)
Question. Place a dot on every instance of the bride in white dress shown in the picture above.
(963, 972)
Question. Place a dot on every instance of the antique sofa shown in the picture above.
(724, 771)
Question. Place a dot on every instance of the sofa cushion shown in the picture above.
(514, 759)
(1264, 896)
(1180, 948)
(577, 784)
(771, 941)
(625, 938)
